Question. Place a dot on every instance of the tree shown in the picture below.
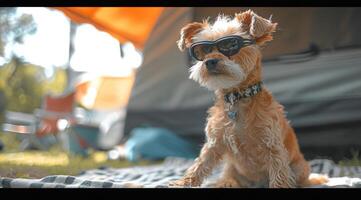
(12, 30)
(13, 27)
(22, 85)
(23, 89)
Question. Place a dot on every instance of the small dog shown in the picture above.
(247, 127)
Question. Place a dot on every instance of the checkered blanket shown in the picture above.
(158, 176)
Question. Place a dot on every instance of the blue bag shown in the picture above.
(153, 143)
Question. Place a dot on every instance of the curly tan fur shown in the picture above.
(260, 146)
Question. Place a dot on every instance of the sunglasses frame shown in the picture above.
(245, 42)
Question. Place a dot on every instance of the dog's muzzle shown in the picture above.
(211, 65)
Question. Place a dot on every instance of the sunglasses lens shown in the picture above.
(199, 51)
(229, 46)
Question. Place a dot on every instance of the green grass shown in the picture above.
(37, 164)
(55, 161)
(354, 161)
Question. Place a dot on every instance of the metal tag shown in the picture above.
(232, 115)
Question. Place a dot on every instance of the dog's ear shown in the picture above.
(187, 33)
(259, 28)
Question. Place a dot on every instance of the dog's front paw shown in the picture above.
(229, 183)
(184, 182)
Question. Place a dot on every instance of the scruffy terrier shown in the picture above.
(247, 127)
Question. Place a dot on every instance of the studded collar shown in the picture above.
(252, 90)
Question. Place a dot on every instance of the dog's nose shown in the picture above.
(211, 64)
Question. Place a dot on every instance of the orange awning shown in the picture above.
(132, 24)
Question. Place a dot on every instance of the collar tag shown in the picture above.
(234, 97)
(232, 115)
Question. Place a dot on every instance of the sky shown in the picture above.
(49, 45)
(96, 52)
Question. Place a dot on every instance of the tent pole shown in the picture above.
(69, 72)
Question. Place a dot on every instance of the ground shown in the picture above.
(37, 164)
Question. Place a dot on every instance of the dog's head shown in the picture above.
(227, 50)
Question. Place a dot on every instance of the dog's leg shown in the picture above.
(231, 178)
(210, 154)
(301, 169)
(279, 171)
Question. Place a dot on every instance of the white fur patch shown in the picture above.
(215, 82)
(195, 72)
(221, 25)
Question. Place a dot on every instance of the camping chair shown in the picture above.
(99, 126)
(35, 128)
(76, 129)
(54, 108)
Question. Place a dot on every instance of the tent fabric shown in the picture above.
(328, 84)
(124, 23)
(329, 28)
(161, 81)
(321, 93)
(312, 93)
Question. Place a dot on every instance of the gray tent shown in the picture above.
(313, 67)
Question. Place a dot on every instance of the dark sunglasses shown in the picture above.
(228, 46)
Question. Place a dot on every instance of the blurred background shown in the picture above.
(85, 87)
